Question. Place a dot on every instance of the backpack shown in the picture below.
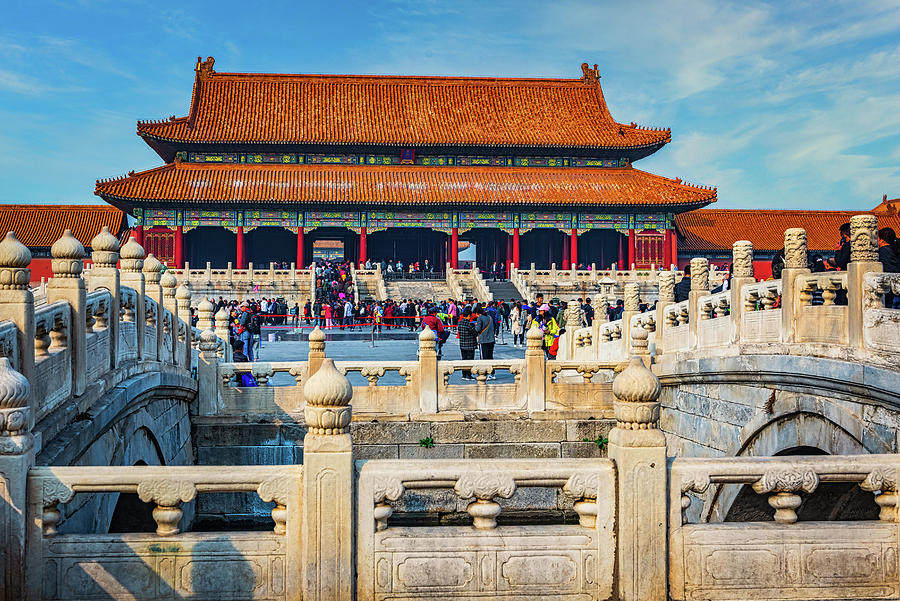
(248, 381)
(253, 326)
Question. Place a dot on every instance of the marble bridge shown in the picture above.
(738, 445)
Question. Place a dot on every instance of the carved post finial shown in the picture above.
(328, 394)
(667, 287)
(14, 261)
(534, 339)
(632, 297)
(742, 259)
(205, 315)
(863, 238)
(168, 281)
(637, 391)
(152, 269)
(183, 293)
(795, 248)
(132, 256)
(68, 256)
(105, 249)
(14, 412)
(427, 339)
(699, 274)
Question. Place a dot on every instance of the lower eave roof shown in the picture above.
(402, 185)
(39, 226)
(718, 229)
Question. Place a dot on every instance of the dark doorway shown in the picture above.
(216, 245)
(270, 244)
(346, 236)
(409, 245)
(541, 247)
(831, 501)
(600, 247)
(490, 246)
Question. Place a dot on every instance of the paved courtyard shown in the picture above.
(383, 350)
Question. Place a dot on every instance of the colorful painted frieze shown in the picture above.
(326, 219)
(286, 219)
(651, 221)
(160, 217)
(211, 218)
(560, 221)
(500, 220)
(376, 220)
(603, 221)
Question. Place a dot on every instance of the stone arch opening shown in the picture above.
(792, 434)
(131, 514)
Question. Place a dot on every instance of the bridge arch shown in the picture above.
(802, 433)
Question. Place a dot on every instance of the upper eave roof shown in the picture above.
(409, 111)
(403, 185)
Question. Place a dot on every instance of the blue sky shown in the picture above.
(779, 104)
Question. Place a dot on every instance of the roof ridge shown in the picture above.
(132, 173)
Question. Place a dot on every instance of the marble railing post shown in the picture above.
(741, 275)
(67, 285)
(17, 306)
(221, 320)
(207, 373)
(316, 351)
(229, 275)
(639, 449)
(327, 539)
(183, 297)
(699, 287)
(795, 265)
(132, 276)
(250, 277)
(272, 274)
(205, 312)
(863, 259)
(629, 310)
(152, 274)
(574, 318)
(208, 274)
(105, 276)
(16, 458)
(168, 282)
(535, 369)
(666, 297)
(428, 374)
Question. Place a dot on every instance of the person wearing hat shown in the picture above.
(549, 327)
(484, 329)
(244, 334)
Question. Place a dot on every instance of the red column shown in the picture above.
(620, 260)
(138, 233)
(179, 247)
(509, 253)
(515, 248)
(454, 248)
(239, 260)
(674, 247)
(565, 253)
(667, 250)
(362, 246)
(632, 248)
(574, 252)
(301, 262)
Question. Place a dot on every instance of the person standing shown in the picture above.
(889, 255)
(244, 325)
(468, 340)
(484, 328)
(516, 325)
(588, 311)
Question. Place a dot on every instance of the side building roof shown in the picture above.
(404, 111)
(717, 229)
(39, 226)
(408, 185)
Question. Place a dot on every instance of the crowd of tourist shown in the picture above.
(396, 269)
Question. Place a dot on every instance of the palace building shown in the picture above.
(271, 167)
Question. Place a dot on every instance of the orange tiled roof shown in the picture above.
(400, 111)
(39, 226)
(718, 229)
(402, 184)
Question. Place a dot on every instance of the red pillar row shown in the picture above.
(454, 248)
(362, 246)
(515, 248)
(573, 254)
(632, 248)
(301, 262)
(179, 247)
(674, 247)
(239, 259)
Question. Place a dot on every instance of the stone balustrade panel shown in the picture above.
(715, 327)
(575, 385)
(380, 399)
(676, 327)
(97, 316)
(881, 325)
(818, 319)
(710, 559)
(222, 565)
(487, 561)
(52, 382)
(151, 334)
(482, 395)
(128, 344)
(761, 317)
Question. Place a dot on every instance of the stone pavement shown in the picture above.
(395, 350)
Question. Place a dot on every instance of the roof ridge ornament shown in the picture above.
(590, 76)
(204, 68)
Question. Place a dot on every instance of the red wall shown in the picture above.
(41, 268)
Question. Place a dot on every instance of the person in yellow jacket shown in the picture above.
(548, 326)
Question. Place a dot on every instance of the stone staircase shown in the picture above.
(503, 289)
(417, 289)
(367, 289)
